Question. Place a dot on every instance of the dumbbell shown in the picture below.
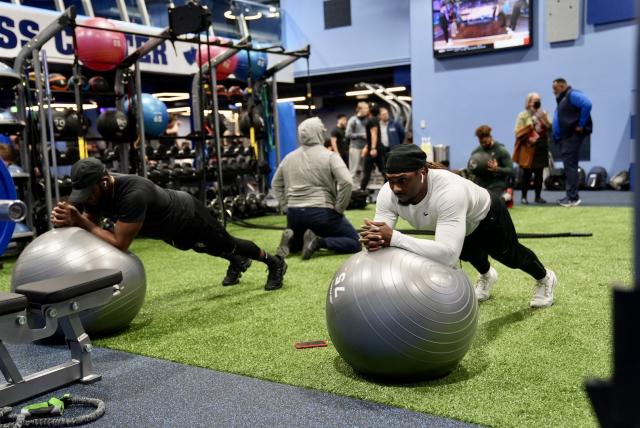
(237, 150)
(184, 153)
(247, 165)
(248, 151)
(154, 175)
(231, 165)
(240, 206)
(187, 171)
(176, 172)
(253, 207)
(109, 156)
(227, 152)
(229, 205)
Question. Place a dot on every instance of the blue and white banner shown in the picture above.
(19, 24)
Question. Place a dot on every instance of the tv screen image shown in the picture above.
(463, 27)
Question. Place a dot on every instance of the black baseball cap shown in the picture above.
(84, 174)
(405, 158)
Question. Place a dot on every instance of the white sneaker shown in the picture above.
(543, 291)
(484, 284)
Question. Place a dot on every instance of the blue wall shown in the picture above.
(456, 95)
(378, 37)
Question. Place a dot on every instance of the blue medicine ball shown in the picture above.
(155, 114)
(259, 63)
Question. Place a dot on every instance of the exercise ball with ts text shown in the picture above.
(396, 315)
(98, 48)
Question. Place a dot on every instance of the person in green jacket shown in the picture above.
(493, 165)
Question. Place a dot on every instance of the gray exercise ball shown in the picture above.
(71, 250)
(394, 314)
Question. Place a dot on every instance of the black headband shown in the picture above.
(405, 158)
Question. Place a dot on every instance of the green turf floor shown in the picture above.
(525, 368)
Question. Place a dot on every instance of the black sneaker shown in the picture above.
(310, 244)
(540, 201)
(276, 274)
(285, 244)
(235, 270)
(524, 201)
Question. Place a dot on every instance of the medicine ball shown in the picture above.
(477, 164)
(252, 119)
(112, 125)
(66, 123)
(57, 82)
(99, 84)
(99, 48)
(84, 83)
(254, 63)
(156, 117)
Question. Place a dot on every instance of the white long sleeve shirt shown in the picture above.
(453, 208)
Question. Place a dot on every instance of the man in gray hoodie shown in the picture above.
(315, 185)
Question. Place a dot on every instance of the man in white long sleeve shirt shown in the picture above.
(315, 185)
(469, 223)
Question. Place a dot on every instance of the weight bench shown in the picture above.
(34, 312)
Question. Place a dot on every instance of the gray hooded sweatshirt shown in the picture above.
(311, 175)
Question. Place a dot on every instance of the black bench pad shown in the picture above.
(67, 287)
(11, 303)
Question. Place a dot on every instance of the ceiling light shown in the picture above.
(396, 89)
(62, 106)
(229, 15)
(303, 107)
(171, 96)
(404, 98)
(361, 92)
(291, 99)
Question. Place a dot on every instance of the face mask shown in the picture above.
(536, 104)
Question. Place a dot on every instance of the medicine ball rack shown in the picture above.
(211, 172)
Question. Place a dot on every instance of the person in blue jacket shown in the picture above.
(391, 132)
(572, 124)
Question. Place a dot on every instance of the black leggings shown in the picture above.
(537, 181)
(496, 236)
(205, 234)
(380, 160)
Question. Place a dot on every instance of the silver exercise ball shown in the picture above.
(72, 249)
(394, 314)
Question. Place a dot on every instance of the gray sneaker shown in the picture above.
(284, 249)
(484, 284)
(310, 244)
(543, 291)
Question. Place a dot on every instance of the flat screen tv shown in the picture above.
(462, 27)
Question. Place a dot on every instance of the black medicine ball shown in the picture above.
(112, 125)
(477, 164)
(66, 123)
(99, 84)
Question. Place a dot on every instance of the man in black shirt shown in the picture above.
(138, 207)
(375, 153)
(339, 143)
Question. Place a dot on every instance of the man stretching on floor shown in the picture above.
(315, 185)
(138, 206)
(470, 223)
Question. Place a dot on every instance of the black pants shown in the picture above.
(496, 236)
(537, 181)
(205, 234)
(380, 161)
